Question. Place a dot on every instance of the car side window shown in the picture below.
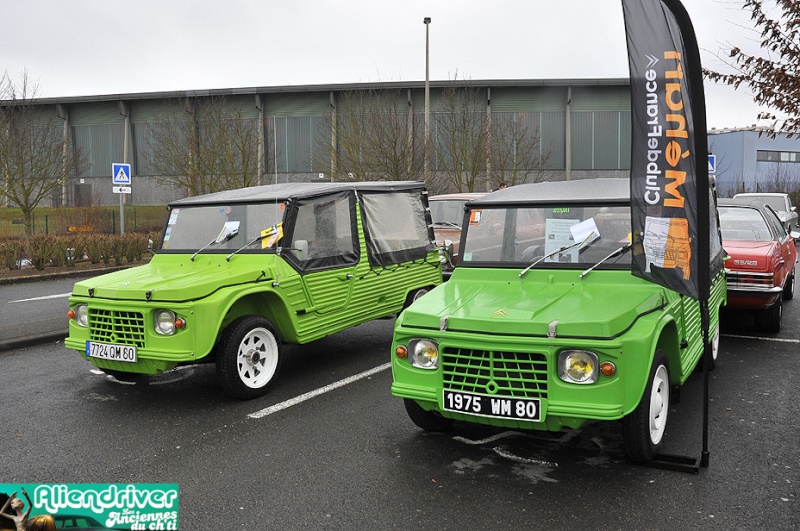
(323, 233)
(775, 226)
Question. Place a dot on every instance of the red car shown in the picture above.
(762, 259)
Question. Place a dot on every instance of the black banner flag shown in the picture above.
(670, 198)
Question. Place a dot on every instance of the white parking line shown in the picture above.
(776, 339)
(45, 297)
(311, 394)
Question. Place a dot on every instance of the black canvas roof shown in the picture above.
(608, 190)
(287, 191)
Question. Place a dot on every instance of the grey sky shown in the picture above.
(100, 47)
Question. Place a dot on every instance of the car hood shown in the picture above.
(749, 255)
(176, 278)
(602, 305)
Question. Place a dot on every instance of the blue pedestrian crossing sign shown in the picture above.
(121, 173)
(712, 164)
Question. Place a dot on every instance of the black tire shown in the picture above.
(427, 420)
(769, 319)
(414, 295)
(788, 288)
(643, 429)
(248, 357)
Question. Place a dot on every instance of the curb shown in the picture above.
(51, 335)
(30, 341)
(60, 276)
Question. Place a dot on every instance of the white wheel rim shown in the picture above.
(257, 358)
(659, 404)
(419, 293)
(715, 344)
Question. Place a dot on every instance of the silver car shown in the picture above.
(780, 203)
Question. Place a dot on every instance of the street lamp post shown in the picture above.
(427, 21)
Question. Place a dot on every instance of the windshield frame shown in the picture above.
(247, 230)
(619, 214)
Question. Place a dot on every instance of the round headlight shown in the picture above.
(165, 322)
(578, 366)
(424, 353)
(82, 314)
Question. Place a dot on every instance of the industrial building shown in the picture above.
(582, 125)
(582, 128)
(749, 160)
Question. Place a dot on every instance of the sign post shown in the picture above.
(121, 177)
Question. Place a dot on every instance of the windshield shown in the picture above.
(448, 213)
(192, 228)
(518, 236)
(743, 224)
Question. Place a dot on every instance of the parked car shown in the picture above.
(240, 272)
(542, 326)
(447, 214)
(762, 263)
(781, 203)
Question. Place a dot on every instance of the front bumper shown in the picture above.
(477, 364)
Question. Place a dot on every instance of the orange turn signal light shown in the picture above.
(401, 351)
(180, 323)
(608, 369)
(71, 314)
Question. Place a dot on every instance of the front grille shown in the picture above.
(514, 374)
(116, 327)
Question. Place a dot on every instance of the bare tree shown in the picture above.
(372, 138)
(516, 151)
(374, 135)
(461, 140)
(204, 146)
(774, 77)
(36, 155)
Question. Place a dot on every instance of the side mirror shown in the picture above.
(448, 248)
(300, 249)
(446, 253)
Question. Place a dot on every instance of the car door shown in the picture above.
(787, 250)
(325, 246)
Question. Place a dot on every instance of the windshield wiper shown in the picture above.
(447, 224)
(266, 233)
(219, 239)
(245, 246)
(561, 250)
(622, 250)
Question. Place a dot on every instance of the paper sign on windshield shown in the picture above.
(229, 230)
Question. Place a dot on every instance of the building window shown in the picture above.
(777, 156)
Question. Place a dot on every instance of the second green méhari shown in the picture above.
(542, 325)
(240, 272)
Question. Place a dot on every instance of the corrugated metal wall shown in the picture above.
(297, 132)
(540, 99)
(601, 140)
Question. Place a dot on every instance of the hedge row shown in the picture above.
(44, 250)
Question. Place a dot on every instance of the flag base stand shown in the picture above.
(676, 463)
